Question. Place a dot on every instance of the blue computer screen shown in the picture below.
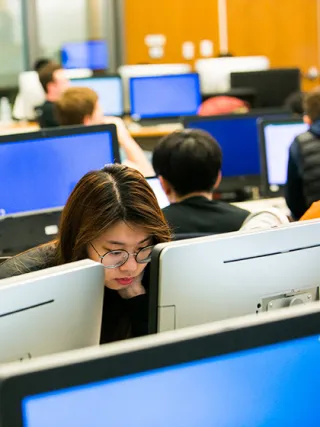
(278, 139)
(90, 54)
(165, 96)
(40, 174)
(109, 90)
(273, 386)
(238, 138)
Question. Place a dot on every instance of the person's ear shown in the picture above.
(167, 188)
(50, 87)
(87, 120)
(307, 120)
(218, 181)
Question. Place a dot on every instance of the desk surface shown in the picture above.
(18, 128)
(135, 130)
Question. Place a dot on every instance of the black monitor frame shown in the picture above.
(22, 231)
(106, 77)
(66, 131)
(235, 183)
(266, 189)
(272, 87)
(156, 352)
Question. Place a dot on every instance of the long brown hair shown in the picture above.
(101, 199)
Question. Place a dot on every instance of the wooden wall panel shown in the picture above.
(284, 30)
(178, 20)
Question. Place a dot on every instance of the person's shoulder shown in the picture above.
(35, 259)
(305, 137)
(171, 209)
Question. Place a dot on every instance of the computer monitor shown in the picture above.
(92, 54)
(272, 87)
(276, 136)
(40, 169)
(129, 71)
(215, 72)
(219, 277)
(158, 191)
(239, 140)
(109, 90)
(50, 311)
(164, 96)
(249, 372)
(22, 231)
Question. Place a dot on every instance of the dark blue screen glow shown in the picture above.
(238, 139)
(90, 54)
(272, 386)
(165, 96)
(40, 174)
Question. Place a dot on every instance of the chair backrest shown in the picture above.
(222, 105)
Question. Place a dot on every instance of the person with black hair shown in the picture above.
(294, 103)
(188, 164)
(54, 82)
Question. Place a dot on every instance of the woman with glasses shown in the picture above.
(112, 217)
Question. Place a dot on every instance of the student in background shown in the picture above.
(112, 217)
(294, 103)
(303, 181)
(189, 167)
(54, 82)
(80, 106)
(40, 63)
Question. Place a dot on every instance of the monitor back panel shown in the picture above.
(109, 90)
(215, 72)
(20, 232)
(245, 372)
(215, 278)
(272, 86)
(51, 311)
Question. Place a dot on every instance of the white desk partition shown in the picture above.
(214, 278)
(215, 72)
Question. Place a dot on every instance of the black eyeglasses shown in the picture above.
(115, 259)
